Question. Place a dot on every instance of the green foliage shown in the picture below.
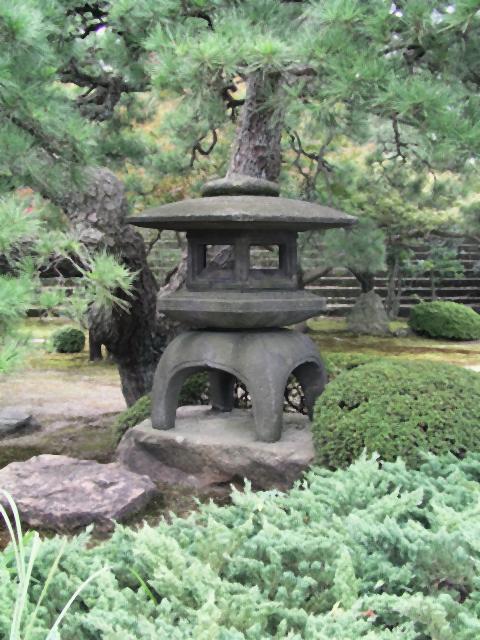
(360, 249)
(68, 340)
(23, 617)
(443, 319)
(397, 408)
(25, 245)
(135, 414)
(373, 553)
(338, 362)
(194, 390)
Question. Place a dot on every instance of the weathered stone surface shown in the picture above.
(240, 212)
(247, 310)
(368, 316)
(206, 449)
(262, 360)
(14, 420)
(95, 441)
(237, 184)
(62, 493)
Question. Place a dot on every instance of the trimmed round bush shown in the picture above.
(336, 363)
(442, 319)
(397, 408)
(68, 340)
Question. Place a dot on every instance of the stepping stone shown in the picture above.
(62, 493)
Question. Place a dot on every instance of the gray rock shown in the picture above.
(82, 439)
(207, 449)
(368, 316)
(61, 493)
(14, 420)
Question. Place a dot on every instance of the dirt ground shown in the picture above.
(60, 397)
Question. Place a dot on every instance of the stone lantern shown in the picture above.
(242, 288)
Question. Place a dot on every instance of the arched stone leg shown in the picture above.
(166, 389)
(313, 377)
(222, 385)
(263, 360)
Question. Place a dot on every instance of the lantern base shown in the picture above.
(262, 360)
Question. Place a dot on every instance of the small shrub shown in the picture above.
(397, 409)
(68, 340)
(135, 414)
(441, 319)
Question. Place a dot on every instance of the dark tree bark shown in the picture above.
(366, 280)
(257, 149)
(98, 213)
(394, 286)
(94, 348)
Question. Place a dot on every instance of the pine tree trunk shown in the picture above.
(98, 215)
(94, 348)
(257, 150)
(394, 287)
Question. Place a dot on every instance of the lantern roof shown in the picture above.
(242, 212)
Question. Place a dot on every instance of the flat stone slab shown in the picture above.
(62, 493)
(208, 448)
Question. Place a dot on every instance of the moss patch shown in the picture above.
(331, 336)
(85, 441)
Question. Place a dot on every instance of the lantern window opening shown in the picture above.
(218, 257)
(266, 257)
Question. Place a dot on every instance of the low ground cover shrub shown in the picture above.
(397, 408)
(68, 340)
(364, 553)
(442, 319)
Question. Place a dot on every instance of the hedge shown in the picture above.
(397, 408)
(68, 340)
(441, 319)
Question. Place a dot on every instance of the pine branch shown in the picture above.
(319, 164)
(231, 102)
(315, 274)
(197, 147)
